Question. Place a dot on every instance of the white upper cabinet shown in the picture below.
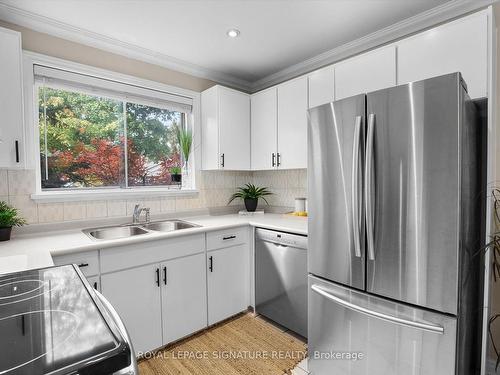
(292, 124)
(370, 71)
(264, 115)
(321, 86)
(459, 46)
(225, 117)
(11, 100)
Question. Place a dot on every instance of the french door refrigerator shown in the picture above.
(396, 210)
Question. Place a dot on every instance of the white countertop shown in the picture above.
(35, 250)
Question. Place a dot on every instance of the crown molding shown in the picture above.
(432, 17)
(63, 30)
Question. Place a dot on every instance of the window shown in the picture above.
(96, 137)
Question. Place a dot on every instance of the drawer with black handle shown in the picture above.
(227, 237)
(87, 261)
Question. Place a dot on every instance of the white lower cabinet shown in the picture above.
(159, 303)
(159, 288)
(227, 282)
(184, 297)
(135, 295)
(94, 282)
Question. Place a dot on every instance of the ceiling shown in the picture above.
(275, 34)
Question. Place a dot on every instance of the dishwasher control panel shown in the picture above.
(282, 238)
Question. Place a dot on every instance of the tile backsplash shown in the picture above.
(215, 188)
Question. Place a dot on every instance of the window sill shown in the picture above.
(111, 194)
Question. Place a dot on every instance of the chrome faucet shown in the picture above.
(137, 213)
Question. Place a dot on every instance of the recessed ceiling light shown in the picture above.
(233, 33)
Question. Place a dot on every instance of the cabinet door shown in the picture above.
(135, 295)
(11, 99)
(184, 297)
(367, 72)
(234, 129)
(227, 282)
(321, 86)
(292, 124)
(459, 46)
(210, 129)
(264, 117)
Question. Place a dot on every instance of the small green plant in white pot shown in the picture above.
(9, 217)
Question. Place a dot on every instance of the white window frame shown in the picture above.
(33, 142)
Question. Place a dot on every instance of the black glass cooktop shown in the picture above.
(52, 322)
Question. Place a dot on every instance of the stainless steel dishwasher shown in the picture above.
(281, 278)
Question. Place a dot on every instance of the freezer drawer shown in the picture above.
(281, 278)
(393, 339)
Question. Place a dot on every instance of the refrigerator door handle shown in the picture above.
(376, 314)
(355, 193)
(369, 188)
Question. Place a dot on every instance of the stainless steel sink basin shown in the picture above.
(125, 231)
(169, 225)
(113, 233)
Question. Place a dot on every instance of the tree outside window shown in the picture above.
(91, 141)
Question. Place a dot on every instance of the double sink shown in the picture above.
(131, 230)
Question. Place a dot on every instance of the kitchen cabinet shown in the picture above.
(135, 294)
(11, 100)
(87, 261)
(160, 303)
(292, 124)
(321, 86)
(370, 71)
(95, 282)
(279, 126)
(264, 123)
(184, 297)
(225, 121)
(227, 282)
(158, 287)
(458, 46)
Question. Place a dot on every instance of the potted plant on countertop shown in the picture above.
(175, 174)
(250, 195)
(9, 217)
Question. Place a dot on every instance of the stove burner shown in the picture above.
(38, 320)
(17, 290)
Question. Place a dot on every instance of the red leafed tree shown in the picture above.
(99, 164)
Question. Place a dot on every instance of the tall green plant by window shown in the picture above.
(185, 139)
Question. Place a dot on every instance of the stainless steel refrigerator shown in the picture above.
(396, 212)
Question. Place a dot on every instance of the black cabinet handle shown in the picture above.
(17, 151)
(228, 238)
(279, 159)
(211, 264)
(95, 285)
(165, 275)
(23, 325)
(273, 162)
(158, 277)
(222, 160)
(82, 265)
